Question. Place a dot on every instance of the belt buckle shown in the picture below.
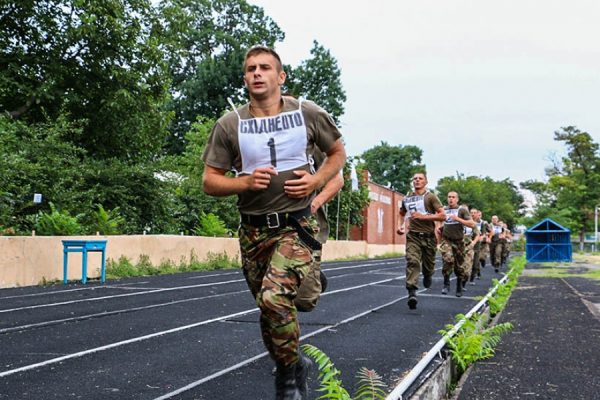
(272, 220)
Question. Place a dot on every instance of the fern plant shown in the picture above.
(210, 225)
(370, 385)
(57, 222)
(108, 222)
(473, 342)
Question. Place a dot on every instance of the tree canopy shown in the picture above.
(393, 166)
(501, 198)
(107, 106)
(572, 190)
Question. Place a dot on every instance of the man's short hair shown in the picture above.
(255, 50)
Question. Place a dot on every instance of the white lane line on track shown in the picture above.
(62, 303)
(156, 334)
(107, 313)
(213, 275)
(114, 286)
(262, 355)
(146, 290)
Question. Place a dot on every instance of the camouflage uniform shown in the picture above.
(453, 245)
(275, 261)
(470, 235)
(453, 257)
(477, 249)
(496, 247)
(310, 290)
(421, 244)
(420, 252)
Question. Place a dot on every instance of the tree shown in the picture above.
(573, 187)
(393, 166)
(318, 79)
(349, 202)
(96, 63)
(501, 198)
(204, 43)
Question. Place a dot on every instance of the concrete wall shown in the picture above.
(29, 260)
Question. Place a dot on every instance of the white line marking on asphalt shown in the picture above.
(262, 355)
(107, 313)
(115, 286)
(62, 303)
(156, 334)
(146, 290)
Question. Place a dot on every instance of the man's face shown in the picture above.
(452, 199)
(262, 77)
(495, 220)
(419, 181)
(474, 215)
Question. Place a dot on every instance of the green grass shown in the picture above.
(565, 273)
(124, 268)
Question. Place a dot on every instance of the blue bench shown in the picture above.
(84, 246)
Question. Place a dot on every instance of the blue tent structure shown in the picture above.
(547, 241)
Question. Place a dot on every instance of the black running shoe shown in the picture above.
(427, 281)
(412, 299)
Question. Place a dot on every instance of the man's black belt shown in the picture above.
(422, 234)
(274, 220)
(281, 220)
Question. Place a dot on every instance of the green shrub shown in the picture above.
(108, 222)
(57, 223)
(211, 225)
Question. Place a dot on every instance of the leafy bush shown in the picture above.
(57, 223)
(108, 222)
(473, 342)
(211, 225)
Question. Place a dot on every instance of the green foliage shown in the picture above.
(498, 300)
(473, 342)
(318, 79)
(370, 385)
(331, 384)
(350, 202)
(108, 222)
(491, 197)
(57, 222)
(393, 166)
(204, 43)
(97, 62)
(124, 268)
(573, 187)
(211, 225)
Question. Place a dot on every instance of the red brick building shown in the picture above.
(380, 218)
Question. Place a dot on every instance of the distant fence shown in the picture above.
(29, 260)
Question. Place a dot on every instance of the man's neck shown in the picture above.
(266, 108)
(420, 191)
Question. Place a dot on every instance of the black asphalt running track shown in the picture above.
(553, 351)
(196, 335)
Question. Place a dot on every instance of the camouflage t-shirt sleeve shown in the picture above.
(464, 213)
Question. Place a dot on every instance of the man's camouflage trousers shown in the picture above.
(274, 262)
(484, 250)
(496, 247)
(420, 253)
(469, 254)
(453, 258)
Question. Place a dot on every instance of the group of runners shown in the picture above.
(461, 234)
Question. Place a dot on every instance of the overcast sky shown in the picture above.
(480, 86)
